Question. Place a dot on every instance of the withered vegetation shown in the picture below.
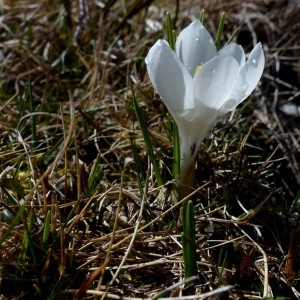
(82, 215)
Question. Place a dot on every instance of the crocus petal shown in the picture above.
(249, 75)
(234, 50)
(195, 46)
(236, 96)
(253, 68)
(238, 93)
(191, 136)
(215, 80)
(169, 77)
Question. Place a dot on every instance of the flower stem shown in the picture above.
(184, 188)
(186, 181)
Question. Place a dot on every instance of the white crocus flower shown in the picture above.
(198, 84)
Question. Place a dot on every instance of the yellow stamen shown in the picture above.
(198, 68)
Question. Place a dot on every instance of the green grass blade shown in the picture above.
(222, 267)
(32, 110)
(47, 227)
(13, 223)
(220, 30)
(95, 175)
(137, 164)
(27, 242)
(189, 239)
(202, 16)
(295, 204)
(147, 141)
(170, 34)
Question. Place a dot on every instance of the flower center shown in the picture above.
(198, 68)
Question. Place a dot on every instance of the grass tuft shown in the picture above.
(85, 198)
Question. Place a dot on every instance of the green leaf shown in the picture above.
(171, 37)
(95, 175)
(147, 140)
(189, 239)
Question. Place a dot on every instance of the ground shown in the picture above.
(83, 215)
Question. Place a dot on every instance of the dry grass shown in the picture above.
(82, 214)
